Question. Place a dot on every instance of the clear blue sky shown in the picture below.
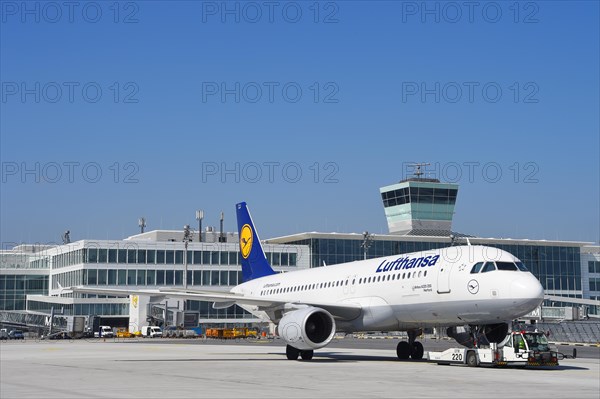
(502, 87)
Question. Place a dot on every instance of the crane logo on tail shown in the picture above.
(246, 238)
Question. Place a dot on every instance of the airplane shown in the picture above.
(480, 287)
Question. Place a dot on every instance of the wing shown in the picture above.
(343, 311)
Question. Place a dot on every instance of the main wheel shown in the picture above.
(417, 351)
(291, 352)
(307, 355)
(471, 359)
(403, 350)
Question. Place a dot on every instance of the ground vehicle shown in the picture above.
(151, 331)
(16, 334)
(519, 348)
(123, 333)
(3, 333)
(57, 335)
(105, 332)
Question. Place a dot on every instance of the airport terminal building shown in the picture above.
(419, 214)
(31, 279)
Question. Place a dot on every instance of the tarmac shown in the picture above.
(141, 368)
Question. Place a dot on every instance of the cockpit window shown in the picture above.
(489, 266)
(506, 266)
(522, 267)
(476, 267)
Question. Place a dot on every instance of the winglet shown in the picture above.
(254, 260)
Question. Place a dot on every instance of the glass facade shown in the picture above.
(161, 257)
(81, 309)
(146, 277)
(15, 287)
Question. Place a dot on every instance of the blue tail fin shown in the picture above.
(254, 261)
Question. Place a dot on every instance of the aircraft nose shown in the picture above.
(528, 289)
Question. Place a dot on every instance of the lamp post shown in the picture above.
(142, 224)
(199, 217)
(367, 241)
(187, 237)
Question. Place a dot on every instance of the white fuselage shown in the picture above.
(421, 289)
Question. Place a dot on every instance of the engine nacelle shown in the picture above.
(483, 335)
(496, 332)
(307, 328)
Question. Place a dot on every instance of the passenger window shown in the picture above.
(489, 266)
(476, 267)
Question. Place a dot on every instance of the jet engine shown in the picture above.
(483, 335)
(307, 328)
(495, 332)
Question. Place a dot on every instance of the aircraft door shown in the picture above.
(443, 280)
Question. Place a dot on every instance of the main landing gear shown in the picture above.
(293, 353)
(412, 349)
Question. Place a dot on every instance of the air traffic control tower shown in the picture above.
(419, 205)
